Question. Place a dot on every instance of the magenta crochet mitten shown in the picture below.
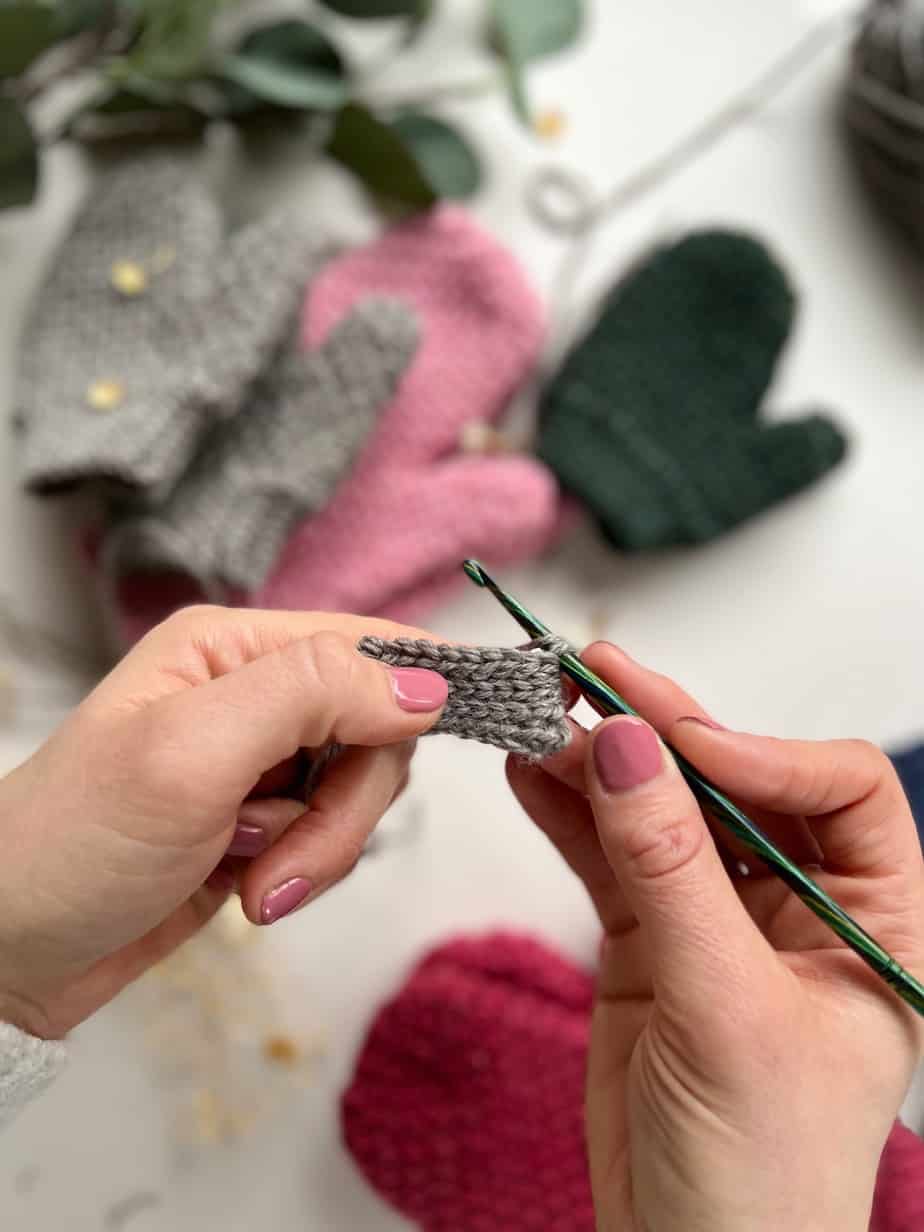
(466, 1107)
(899, 1202)
(392, 538)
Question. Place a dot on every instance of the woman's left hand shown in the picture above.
(116, 835)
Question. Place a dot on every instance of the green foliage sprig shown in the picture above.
(162, 68)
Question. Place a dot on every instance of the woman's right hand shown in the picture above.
(745, 1066)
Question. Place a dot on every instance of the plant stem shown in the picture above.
(434, 94)
(70, 57)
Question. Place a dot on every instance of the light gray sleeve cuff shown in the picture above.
(28, 1066)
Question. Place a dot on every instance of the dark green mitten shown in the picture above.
(653, 419)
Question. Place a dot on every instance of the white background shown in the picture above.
(807, 622)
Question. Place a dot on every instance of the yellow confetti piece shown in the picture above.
(128, 278)
(550, 124)
(480, 437)
(105, 394)
(280, 1049)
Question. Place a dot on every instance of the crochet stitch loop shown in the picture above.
(509, 698)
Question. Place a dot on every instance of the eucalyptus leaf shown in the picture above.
(376, 153)
(445, 159)
(374, 10)
(19, 160)
(532, 30)
(175, 38)
(26, 29)
(525, 30)
(289, 63)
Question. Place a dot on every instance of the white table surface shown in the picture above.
(806, 622)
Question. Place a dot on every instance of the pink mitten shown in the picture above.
(466, 1107)
(397, 528)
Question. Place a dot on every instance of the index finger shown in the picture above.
(847, 791)
(662, 702)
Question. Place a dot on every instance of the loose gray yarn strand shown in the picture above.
(509, 698)
(566, 204)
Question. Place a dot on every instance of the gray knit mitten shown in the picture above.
(277, 460)
(509, 698)
(151, 324)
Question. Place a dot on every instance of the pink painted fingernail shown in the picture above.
(417, 689)
(626, 753)
(702, 720)
(283, 899)
(247, 841)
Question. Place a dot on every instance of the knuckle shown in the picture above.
(324, 664)
(657, 848)
(325, 659)
(881, 779)
(799, 782)
(188, 620)
(869, 754)
(349, 855)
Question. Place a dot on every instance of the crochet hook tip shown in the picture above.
(522, 615)
(475, 571)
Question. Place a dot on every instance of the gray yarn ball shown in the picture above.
(885, 110)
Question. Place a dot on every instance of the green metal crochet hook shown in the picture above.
(749, 833)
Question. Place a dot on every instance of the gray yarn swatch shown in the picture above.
(277, 460)
(509, 698)
(151, 324)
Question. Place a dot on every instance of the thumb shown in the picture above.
(783, 458)
(366, 354)
(313, 692)
(698, 935)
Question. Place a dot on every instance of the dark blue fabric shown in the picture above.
(910, 766)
